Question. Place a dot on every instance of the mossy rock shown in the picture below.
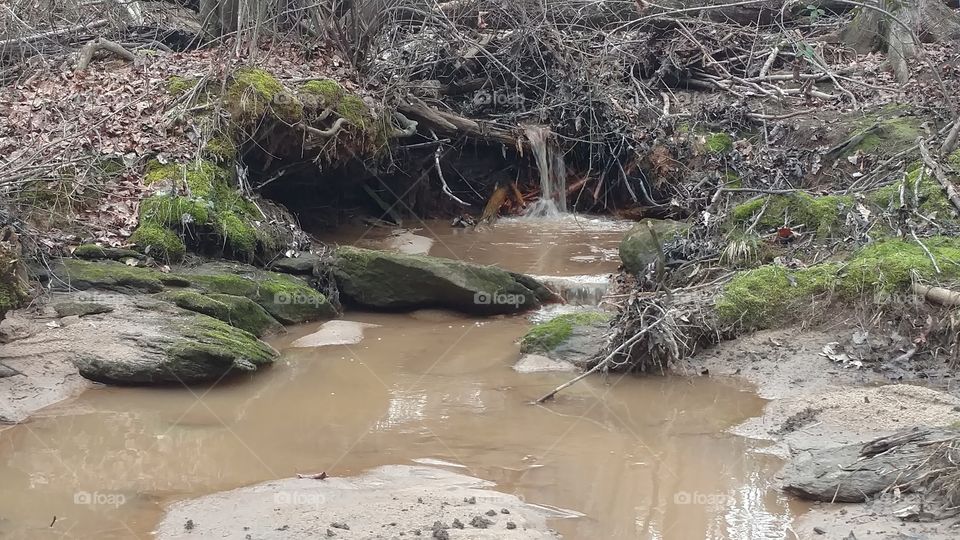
(638, 250)
(94, 252)
(254, 93)
(149, 344)
(548, 336)
(157, 241)
(80, 309)
(288, 299)
(821, 215)
(392, 281)
(113, 276)
(322, 94)
(220, 149)
(237, 311)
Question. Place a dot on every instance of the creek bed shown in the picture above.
(638, 457)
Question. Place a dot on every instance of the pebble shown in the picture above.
(340, 525)
(480, 522)
(511, 525)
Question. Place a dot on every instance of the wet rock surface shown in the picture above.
(387, 502)
(638, 248)
(383, 280)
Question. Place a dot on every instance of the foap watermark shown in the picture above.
(99, 498)
(298, 498)
(483, 298)
(703, 499)
(497, 97)
(298, 298)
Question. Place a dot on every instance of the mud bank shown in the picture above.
(387, 502)
(817, 404)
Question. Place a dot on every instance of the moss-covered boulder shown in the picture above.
(288, 299)
(382, 280)
(145, 341)
(238, 311)
(572, 337)
(638, 249)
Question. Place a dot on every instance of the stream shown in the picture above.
(624, 457)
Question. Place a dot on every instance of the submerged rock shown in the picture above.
(638, 249)
(571, 337)
(378, 279)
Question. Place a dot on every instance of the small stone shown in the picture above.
(491, 512)
(416, 532)
(330, 534)
(340, 525)
(511, 525)
(504, 511)
(818, 530)
(470, 500)
(188, 526)
(441, 534)
(420, 500)
(457, 524)
(480, 522)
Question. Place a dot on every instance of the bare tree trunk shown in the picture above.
(898, 30)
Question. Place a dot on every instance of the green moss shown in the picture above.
(954, 160)
(888, 265)
(201, 178)
(240, 236)
(172, 212)
(159, 242)
(221, 149)
(732, 180)
(546, 336)
(885, 133)
(327, 89)
(770, 295)
(291, 300)
(209, 341)
(225, 283)
(822, 215)
(933, 201)
(254, 93)
(348, 106)
(177, 85)
(113, 275)
(719, 143)
(237, 311)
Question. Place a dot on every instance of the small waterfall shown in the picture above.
(553, 173)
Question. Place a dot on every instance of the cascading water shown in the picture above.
(553, 174)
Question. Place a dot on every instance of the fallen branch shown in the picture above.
(939, 174)
(53, 33)
(937, 295)
(101, 44)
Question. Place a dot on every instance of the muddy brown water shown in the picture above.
(637, 457)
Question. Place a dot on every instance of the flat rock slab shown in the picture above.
(536, 363)
(334, 333)
(382, 503)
